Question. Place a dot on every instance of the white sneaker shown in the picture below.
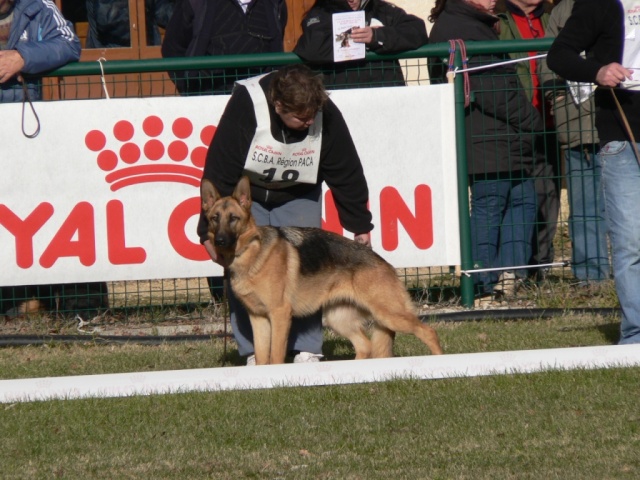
(306, 357)
(251, 361)
(507, 284)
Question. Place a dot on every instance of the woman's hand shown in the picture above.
(363, 238)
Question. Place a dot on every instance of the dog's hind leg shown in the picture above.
(382, 342)
(348, 321)
(261, 338)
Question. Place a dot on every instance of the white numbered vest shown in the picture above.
(273, 164)
(631, 55)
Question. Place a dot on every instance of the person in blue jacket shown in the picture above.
(34, 38)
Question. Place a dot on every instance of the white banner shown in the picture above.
(109, 189)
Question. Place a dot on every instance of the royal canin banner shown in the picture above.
(109, 189)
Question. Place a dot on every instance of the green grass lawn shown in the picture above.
(556, 424)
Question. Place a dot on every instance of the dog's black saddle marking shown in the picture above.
(321, 250)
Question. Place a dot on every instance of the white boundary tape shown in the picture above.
(323, 373)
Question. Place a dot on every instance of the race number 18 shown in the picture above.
(287, 175)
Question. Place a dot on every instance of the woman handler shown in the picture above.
(283, 132)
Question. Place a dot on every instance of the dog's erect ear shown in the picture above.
(208, 194)
(242, 193)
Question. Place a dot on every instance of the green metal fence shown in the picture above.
(189, 298)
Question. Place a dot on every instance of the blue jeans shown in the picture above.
(590, 258)
(621, 189)
(306, 332)
(503, 213)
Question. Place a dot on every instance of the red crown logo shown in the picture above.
(153, 150)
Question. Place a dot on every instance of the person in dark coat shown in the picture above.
(500, 124)
(389, 29)
(110, 27)
(222, 27)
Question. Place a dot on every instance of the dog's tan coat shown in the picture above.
(280, 273)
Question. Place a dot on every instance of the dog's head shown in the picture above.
(228, 217)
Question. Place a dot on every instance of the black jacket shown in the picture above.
(109, 24)
(340, 165)
(500, 120)
(401, 32)
(597, 27)
(220, 27)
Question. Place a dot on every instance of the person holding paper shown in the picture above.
(380, 27)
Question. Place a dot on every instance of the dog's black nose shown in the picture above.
(224, 240)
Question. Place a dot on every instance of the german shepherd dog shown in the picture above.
(278, 273)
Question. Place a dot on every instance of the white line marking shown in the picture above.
(323, 373)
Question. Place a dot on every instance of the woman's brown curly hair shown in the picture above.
(437, 10)
(298, 90)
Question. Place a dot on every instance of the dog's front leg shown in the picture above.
(280, 326)
(261, 338)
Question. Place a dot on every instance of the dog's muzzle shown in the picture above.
(224, 241)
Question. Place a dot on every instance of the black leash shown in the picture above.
(26, 98)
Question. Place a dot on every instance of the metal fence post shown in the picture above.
(466, 259)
